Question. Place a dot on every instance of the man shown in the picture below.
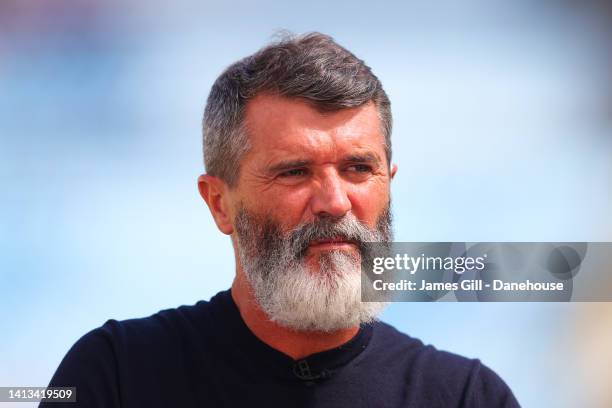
(298, 157)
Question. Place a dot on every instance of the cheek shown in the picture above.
(368, 201)
(286, 205)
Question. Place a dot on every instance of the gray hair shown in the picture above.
(312, 66)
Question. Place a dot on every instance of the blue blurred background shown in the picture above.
(503, 132)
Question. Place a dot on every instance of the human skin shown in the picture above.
(302, 164)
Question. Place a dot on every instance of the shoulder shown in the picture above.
(156, 330)
(131, 355)
(439, 375)
(392, 345)
(163, 335)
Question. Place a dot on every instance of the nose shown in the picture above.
(330, 197)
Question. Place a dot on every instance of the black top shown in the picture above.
(205, 356)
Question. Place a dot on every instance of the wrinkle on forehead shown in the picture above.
(291, 125)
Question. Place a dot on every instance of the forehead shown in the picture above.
(277, 124)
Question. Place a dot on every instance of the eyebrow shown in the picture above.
(367, 157)
(288, 165)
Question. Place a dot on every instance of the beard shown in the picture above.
(326, 297)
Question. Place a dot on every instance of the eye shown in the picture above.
(360, 168)
(293, 173)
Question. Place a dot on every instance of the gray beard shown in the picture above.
(289, 291)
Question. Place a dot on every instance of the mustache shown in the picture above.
(260, 234)
(346, 228)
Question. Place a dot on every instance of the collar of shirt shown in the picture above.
(234, 337)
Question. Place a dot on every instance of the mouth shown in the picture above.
(332, 243)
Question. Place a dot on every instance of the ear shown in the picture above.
(215, 192)
(393, 170)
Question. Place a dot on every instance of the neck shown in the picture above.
(294, 343)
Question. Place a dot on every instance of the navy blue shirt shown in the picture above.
(205, 356)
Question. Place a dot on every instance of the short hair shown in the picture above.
(312, 67)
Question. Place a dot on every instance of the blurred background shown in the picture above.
(503, 132)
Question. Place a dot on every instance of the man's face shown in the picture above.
(304, 164)
(313, 188)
